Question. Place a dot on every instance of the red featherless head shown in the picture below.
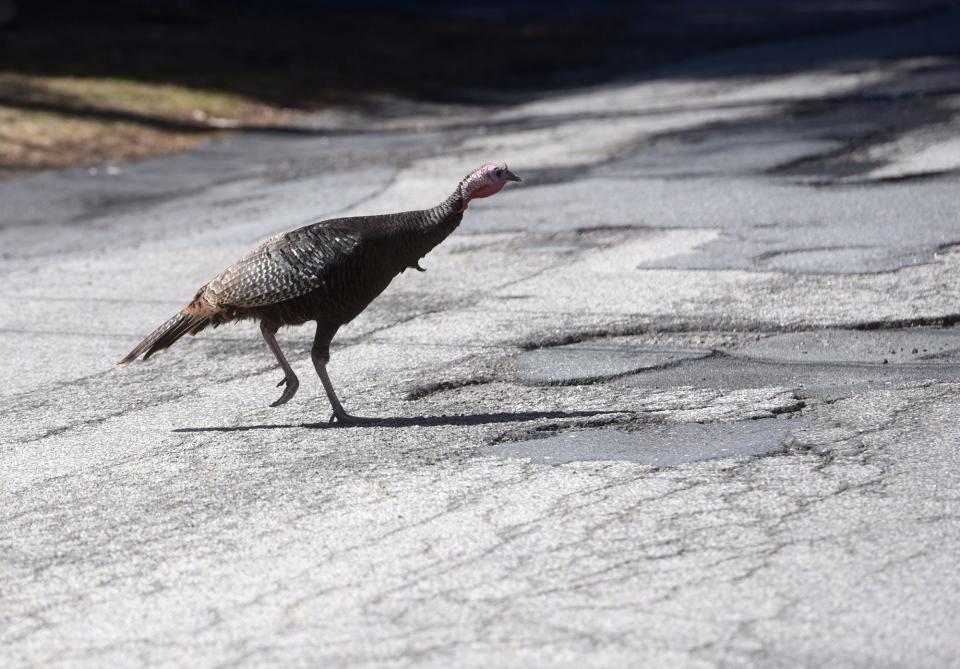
(485, 181)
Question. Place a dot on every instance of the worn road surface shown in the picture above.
(688, 396)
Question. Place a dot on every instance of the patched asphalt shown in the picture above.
(654, 445)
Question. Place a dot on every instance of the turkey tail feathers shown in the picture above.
(181, 324)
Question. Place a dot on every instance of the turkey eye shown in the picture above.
(499, 173)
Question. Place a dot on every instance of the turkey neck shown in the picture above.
(434, 225)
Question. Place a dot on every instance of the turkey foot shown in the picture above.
(292, 383)
(348, 419)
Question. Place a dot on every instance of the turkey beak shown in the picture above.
(510, 176)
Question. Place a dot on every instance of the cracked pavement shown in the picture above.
(688, 396)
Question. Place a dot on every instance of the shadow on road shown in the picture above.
(414, 421)
(308, 54)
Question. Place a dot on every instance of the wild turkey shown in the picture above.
(326, 272)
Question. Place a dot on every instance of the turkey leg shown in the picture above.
(269, 331)
(321, 356)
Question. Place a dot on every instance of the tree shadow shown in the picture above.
(311, 53)
(412, 421)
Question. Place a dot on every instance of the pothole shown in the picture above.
(825, 259)
(661, 445)
(907, 346)
(584, 362)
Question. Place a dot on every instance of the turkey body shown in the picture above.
(328, 271)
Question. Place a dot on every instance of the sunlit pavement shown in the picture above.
(687, 396)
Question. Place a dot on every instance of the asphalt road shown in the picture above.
(688, 396)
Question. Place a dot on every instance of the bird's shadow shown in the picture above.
(412, 421)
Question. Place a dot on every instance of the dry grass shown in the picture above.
(63, 121)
